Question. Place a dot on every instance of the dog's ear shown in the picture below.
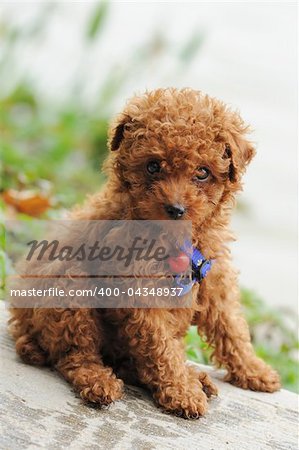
(240, 152)
(238, 149)
(116, 132)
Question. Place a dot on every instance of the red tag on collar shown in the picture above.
(180, 263)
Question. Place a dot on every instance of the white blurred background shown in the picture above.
(242, 53)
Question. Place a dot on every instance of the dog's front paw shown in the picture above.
(258, 377)
(182, 400)
(103, 393)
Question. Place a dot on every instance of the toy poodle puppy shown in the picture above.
(174, 155)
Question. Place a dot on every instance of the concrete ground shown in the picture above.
(38, 409)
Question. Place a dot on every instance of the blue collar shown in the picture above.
(200, 268)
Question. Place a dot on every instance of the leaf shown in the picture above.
(97, 19)
(27, 202)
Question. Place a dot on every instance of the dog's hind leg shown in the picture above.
(29, 350)
(74, 339)
(22, 330)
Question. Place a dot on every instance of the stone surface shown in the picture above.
(38, 409)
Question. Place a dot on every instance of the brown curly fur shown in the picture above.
(95, 349)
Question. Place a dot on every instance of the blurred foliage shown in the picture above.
(275, 337)
(97, 19)
(51, 154)
(44, 150)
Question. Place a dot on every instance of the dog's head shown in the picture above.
(178, 154)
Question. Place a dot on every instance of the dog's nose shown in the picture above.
(175, 211)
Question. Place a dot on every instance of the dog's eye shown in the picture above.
(153, 167)
(202, 174)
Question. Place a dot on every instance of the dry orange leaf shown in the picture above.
(27, 202)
